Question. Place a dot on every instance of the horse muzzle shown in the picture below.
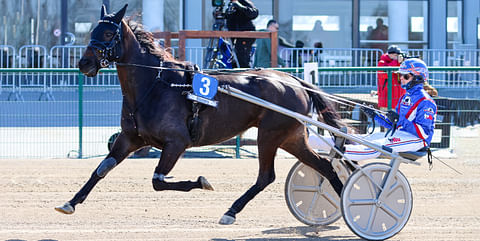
(88, 67)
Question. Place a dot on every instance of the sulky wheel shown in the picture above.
(310, 197)
(368, 217)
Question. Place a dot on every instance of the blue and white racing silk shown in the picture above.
(417, 113)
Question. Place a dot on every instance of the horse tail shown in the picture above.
(323, 106)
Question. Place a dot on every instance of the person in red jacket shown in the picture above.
(393, 57)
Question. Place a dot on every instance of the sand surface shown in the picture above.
(124, 206)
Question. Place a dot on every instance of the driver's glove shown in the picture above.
(392, 116)
(368, 111)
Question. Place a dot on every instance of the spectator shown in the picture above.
(316, 54)
(393, 57)
(379, 33)
(239, 15)
(263, 52)
(317, 34)
(297, 60)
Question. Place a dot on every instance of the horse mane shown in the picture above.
(147, 41)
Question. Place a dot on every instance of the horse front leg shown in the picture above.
(120, 150)
(170, 154)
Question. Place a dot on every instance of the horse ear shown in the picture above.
(103, 11)
(118, 16)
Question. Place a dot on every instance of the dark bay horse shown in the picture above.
(156, 114)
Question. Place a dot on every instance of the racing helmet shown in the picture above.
(394, 49)
(417, 68)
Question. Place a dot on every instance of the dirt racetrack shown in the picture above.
(124, 206)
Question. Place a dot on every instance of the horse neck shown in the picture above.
(134, 83)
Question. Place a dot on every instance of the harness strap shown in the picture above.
(108, 21)
(194, 123)
(108, 49)
(142, 100)
(430, 159)
(158, 67)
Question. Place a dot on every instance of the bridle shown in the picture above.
(110, 50)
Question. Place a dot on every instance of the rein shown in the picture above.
(156, 67)
(158, 79)
(331, 97)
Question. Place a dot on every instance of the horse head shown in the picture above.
(105, 43)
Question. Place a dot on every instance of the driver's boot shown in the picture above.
(339, 144)
(335, 157)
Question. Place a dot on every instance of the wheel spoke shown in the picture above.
(372, 180)
(371, 218)
(312, 204)
(334, 201)
(303, 188)
(390, 212)
(359, 202)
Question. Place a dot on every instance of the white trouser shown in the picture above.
(400, 141)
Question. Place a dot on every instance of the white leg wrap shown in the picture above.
(160, 177)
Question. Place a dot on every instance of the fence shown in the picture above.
(37, 56)
(335, 57)
(7, 60)
(81, 119)
(72, 124)
(449, 57)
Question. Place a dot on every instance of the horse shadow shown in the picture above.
(220, 152)
(309, 233)
(26, 240)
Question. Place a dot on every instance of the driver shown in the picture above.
(411, 123)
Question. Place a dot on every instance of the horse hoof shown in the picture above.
(226, 220)
(205, 184)
(67, 208)
(159, 185)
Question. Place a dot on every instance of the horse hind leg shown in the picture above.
(267, 149)
(298, 147)
(170, 155)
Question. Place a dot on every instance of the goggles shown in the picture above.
(406, 76)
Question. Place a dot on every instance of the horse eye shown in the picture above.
(108, 35)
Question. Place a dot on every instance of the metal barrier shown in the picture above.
(33, 56)
(445, 71)
(194, 55)
(331, 57)
(61, 127)
(68, 57)
(450, 57)
(7, 60)
(335, 57)
(83, 118)
(65, 57)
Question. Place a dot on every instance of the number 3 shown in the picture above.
(206, 84)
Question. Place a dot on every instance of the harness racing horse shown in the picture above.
(155, 113)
